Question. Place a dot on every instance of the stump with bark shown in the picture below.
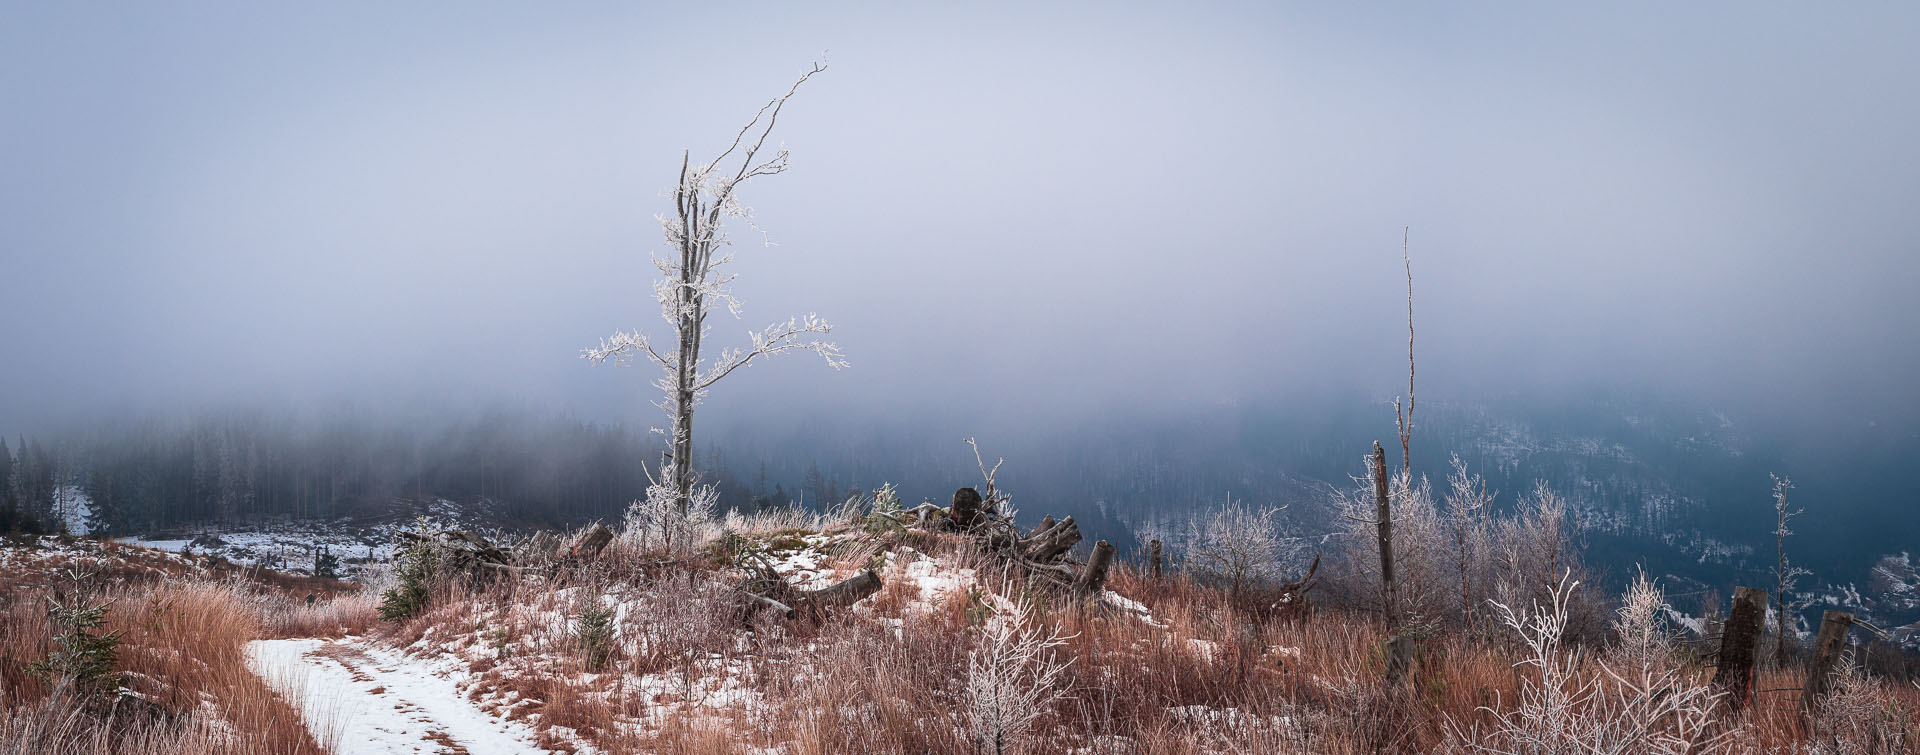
(1739, 642)
(1826, 650)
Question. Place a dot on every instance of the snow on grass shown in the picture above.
(931, 579)
(357, 697)
(292, 549)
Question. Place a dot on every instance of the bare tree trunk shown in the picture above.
(1399, 648)
(1739, 642)
(1383, 520)
(1406, 423)
(1826, 650)
(1780, 595)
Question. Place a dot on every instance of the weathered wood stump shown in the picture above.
(1399, 657)
(1093, 579)
(588, 544)
(1739, 642)
(966, 513)
(1154, 558)
(1826, 650)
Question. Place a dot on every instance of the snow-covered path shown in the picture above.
(360, 698)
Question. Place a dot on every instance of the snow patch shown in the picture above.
(359, 698)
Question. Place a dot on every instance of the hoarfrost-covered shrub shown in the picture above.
(1013, 678)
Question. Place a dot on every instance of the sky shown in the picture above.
(1042, 211)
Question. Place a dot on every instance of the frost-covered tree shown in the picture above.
(1239, 544)
(1466, 522)
(693, 282)
(1786, 576)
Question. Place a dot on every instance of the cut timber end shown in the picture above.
(1738, 644)
(1826, 650)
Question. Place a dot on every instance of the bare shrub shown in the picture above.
(1641, 626)
(1566, 709)
(1860, 717)
(1013, 678)
(1239, 544)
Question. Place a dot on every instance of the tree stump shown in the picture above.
(1154, 558)
(1739, 642)
(966, 513)
(1094, 578)
(589, 544)
(1826, 650)
(1399, 657)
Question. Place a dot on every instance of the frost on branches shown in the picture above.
(1012, 679)
(1645, 707)
(692, 282)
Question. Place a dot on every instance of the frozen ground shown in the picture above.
(357, 697)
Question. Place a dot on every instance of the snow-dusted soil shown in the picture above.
(292, 547)
(357, 697)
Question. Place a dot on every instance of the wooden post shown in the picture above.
(1739, 642)
(1826, 650)
(1154, 558)
(1094, 577)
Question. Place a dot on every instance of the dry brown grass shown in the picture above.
(697, 671)
(183, 647)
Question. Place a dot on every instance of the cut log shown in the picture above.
(1826, 650)
(589, 543)
(784, 610)
(1053, 542)
(848, 592)
(1042, 526)
(1094, 578)
(1738, 644)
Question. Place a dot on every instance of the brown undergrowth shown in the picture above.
(184, 626)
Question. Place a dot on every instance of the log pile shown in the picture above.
(472, 554)
(460, 550)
